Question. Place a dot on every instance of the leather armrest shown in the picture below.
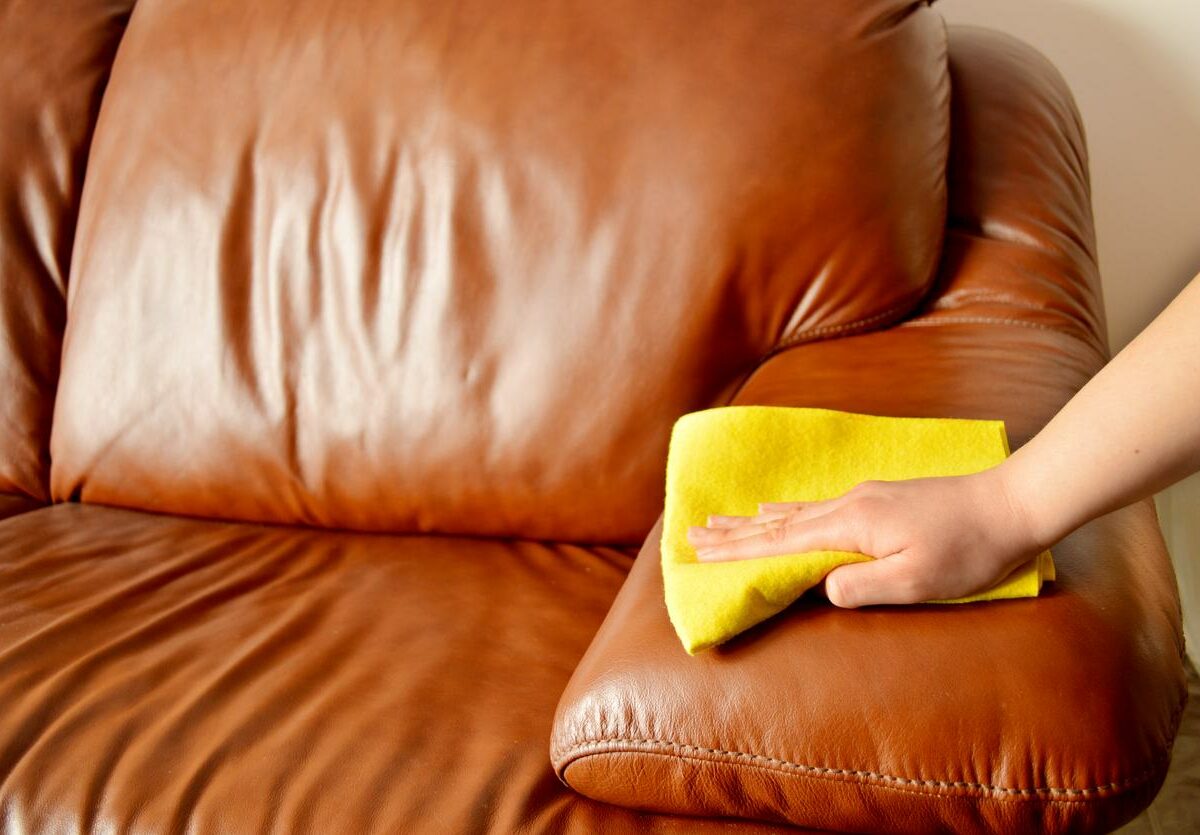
(1047, 715)
(1052, 714)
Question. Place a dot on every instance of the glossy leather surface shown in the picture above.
(457, 267)
(168, 675)
(1047, 715)
(54, 58)
(397, 266)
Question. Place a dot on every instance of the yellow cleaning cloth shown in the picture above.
(726, 461)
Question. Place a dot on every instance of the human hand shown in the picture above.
(932, 538)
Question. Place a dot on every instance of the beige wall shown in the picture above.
(1134, 66)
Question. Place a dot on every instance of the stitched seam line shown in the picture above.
(759, 759)
(1087, 338)
(980, 320)
(997, 796)
(824, 330)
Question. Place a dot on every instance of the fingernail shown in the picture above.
(700, 532)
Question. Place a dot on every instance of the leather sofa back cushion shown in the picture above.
(54, 58)
(458, 266)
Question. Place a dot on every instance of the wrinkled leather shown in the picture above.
(54, 58)
(1050, 715)
(164, 675)
(457, 267)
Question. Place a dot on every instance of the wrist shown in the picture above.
(1032, 517)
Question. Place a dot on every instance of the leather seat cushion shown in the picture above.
(159, 674)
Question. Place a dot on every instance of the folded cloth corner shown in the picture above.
(726, 461)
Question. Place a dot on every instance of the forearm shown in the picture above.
(1132, 430)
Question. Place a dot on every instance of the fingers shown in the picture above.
(728, 521)
(827, 532)
(780, 507)
(770, 511)
(751, 526)
(738, 521)
(726, 528)
(888, 580)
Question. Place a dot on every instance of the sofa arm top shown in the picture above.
(1020, 243)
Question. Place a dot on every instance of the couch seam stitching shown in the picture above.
(934, 319)
(999, 794)
(823, 330)
(757, 759)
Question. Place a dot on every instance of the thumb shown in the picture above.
(884, 580)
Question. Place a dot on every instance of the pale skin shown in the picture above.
(1131, 431)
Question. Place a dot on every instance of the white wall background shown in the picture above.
(1134, 66)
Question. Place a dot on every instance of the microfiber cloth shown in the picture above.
(726, 461)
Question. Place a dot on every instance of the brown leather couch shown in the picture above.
(341, 341)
